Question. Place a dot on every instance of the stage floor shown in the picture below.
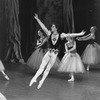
(55, 87)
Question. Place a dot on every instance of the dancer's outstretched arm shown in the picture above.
(64, 35)
(42, 25)
(84, 38)
(45, 40)
(38, 43)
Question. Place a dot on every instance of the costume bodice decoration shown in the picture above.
(54, 38)
(40, 40)
(54, 41)
(69, 45)
(92, 40)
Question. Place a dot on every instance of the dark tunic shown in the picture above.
(56, 45)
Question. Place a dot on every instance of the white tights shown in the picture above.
(48, 60)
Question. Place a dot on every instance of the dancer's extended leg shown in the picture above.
(45, 74)
(47, 70)
(41, 69)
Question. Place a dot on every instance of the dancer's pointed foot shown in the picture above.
(32, 81)
(87, 68)
(70, 80)
(7, 77)
(22, 61)
(40, 85)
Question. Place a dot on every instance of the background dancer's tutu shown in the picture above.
(91, 55)
(71, 63)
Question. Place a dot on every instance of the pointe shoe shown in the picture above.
(70, 80)
(7, 77)
(40, 85)
(87, 69)
(22, 61)
(32, 81)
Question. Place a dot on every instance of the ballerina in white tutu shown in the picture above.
(91, 54)
(2, 68)
(71, 62)
(36, 57)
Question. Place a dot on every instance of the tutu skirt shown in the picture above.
(35, 59)
(56, 64)
(91, 54)
(1, 66)
(71, 62)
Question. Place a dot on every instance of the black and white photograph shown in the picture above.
(49, 50)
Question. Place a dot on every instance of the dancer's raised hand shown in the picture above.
(36, 16)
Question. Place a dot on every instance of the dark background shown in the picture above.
(86, 13)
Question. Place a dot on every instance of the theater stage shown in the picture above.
(55, 87)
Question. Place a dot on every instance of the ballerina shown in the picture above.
(71, 61)
(36, 57)
(91, 54)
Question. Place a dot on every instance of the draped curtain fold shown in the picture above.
(14, 34)
(68, 16)
(57, 11)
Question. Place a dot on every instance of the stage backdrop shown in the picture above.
(18, 28)
(3, 29)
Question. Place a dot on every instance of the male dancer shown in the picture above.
(54, 39)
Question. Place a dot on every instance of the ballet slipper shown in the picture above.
(32, 81)
(22, 61)
(70, 80)
(6, 77)
(87, 68)
(40, 85)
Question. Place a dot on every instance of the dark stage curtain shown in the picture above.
(10, 22)
(59, 12)
(68, 16)
(27, 8)
(3, 29)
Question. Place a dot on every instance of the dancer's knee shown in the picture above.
(42, 66)
(48, 69)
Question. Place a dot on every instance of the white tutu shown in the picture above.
(71, 62)
(2, 97)
(91, 54)
(35, 59)
(56, 64)
(1, 66)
